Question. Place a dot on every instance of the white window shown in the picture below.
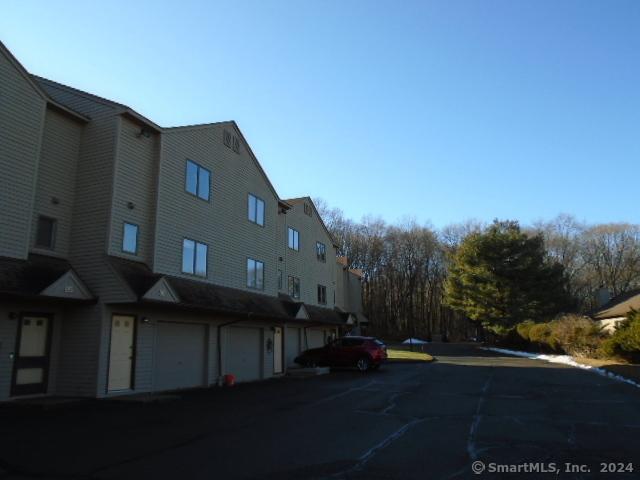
(294, 239)
(46, 232)
(256, 210)
(255, 274)
(194, 257)
(197, 180)
(130, 238)
(322, 294)
(294, 287)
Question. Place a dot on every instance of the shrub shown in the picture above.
(541, 334)
(625, 341)
(523, 329)
(576, 335)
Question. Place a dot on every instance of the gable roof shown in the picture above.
(199, 295)
(35, 86)
(119, 108)
(233, 125)
(619, 306)
(31, 278)
(300, 200)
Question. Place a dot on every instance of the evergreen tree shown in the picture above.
(502, 276)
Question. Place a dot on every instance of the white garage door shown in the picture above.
(180, 355)
(292, 345)
(244, 354)
(315, 338)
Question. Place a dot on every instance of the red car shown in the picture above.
(364, 353)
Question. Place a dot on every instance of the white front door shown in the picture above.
(277, 350)
(121, 353)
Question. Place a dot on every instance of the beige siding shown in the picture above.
(354, 292)
(57, 178)
(134, 186)
(21, 118)
(78, 352)
(304, 263)
(341, 287)
(221, 222)
(90, 231)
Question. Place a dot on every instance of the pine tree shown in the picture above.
(502, 276)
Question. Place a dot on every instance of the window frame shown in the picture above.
(197, 190)
(256, 262)
(257, 199)
(292, 291)
(322, 299)
(296, 239)
(124, 230)
(321, 257)
(54, 232)
(195, 259)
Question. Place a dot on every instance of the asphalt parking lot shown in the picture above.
(426, 421)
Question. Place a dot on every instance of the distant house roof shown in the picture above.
(193, 294)
(30, 278)
(619, 306)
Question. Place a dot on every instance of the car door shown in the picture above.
(336, 353)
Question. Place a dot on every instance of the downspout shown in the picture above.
(220, 341)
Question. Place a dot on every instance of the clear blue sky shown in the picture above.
(440, 111)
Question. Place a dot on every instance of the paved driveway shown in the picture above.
(426, 421)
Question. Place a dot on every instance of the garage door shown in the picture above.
(292, 345)
(180, 356)
(315, 338)
(244, 354)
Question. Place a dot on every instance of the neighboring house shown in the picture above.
(136, 258)
(349, 296)
(611, 313)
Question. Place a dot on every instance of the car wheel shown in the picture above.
(363, 364)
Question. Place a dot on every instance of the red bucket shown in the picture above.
(229, 380)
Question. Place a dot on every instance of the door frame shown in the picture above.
(134, 351)
(282, 350)
(39, 388)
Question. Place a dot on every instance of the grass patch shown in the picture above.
(406, 355)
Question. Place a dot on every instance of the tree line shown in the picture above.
(407, 268)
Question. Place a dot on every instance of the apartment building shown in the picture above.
(136, 258)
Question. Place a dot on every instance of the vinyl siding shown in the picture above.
(57, 178)
(221, 222)
(79, 351)
(21, 120)
(93, 193)
(304, 263)
(145, 358)
(135, 182)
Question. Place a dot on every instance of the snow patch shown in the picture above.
(414, 341)
(565, 360)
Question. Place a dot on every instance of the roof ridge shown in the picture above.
(98, 98)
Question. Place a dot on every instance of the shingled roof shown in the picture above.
(28, 278)
(199, 295)
(619, 306)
